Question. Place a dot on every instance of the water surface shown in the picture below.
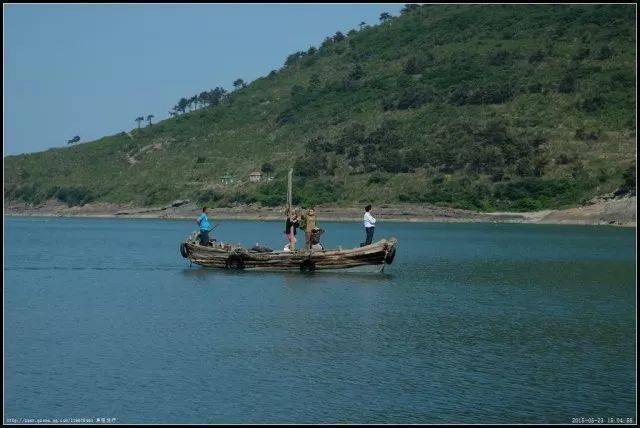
(472, 323)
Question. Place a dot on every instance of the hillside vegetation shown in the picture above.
(485, 107)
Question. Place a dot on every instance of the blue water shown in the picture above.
(473, 323)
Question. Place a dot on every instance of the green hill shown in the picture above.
(487, 107)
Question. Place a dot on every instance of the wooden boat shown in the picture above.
(227, 256)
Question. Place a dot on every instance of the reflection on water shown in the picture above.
(292, 277)
(471, 323)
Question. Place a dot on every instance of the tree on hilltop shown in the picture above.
(203, 98)
(293, 58)
(409, 7)
(191, 102)
(139, 119)
(149, 117)
(182, 105)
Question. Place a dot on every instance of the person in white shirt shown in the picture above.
(369, 224)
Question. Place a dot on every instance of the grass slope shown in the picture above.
(488, 107)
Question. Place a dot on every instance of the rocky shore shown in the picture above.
(606, 210)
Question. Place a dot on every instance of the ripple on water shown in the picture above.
(471, 324)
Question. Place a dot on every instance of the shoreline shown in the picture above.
(602, 211)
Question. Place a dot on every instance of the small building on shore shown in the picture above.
(255, 176)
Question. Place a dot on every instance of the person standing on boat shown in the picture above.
(310, 225)
(205, 227)
(290, 229)
(369, 224)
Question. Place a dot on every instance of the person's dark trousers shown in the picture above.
(369, 231)
(204, 237)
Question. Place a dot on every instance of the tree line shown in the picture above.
(338, 37)
(218, 95)
(209, 98)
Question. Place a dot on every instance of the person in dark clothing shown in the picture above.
(290, 229)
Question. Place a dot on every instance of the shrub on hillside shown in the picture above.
(356, 72)
(415, 158)
(536, 57)
(240, 197)
(352, 135)
(414, 98)
(267, 168)
(285, 117)
(499, 57)
(314, 81)
(208, 196)
(30, 193)
(271, 194)
(563, 159)
(412, 66)
(158, 195)
(583, 135)
(567, 83)
(629, 180)
(546, 191)
(492, 93)
(437, 179)
(591, 104)
(393, 161)
(389, 103)
(535, 88)
(318, 144)
(377, 178)
(317, 191)
(311, 165)
(604, 52)
(581, 53)
(74, 196)
(387, 136)
(297, 93)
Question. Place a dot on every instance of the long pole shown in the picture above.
(289, 191)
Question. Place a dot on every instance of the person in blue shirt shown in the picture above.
(205, 227)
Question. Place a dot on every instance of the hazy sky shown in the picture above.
(90, 70)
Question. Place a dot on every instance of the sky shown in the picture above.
(90, 70)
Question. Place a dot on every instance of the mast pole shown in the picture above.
(289, 191)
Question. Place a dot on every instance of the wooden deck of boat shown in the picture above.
(311, 260)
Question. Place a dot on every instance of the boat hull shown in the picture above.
(223, 257)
